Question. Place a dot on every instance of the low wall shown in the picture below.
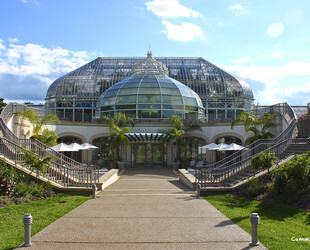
(186, 178)
(110, 177)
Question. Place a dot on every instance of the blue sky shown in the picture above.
(265, 42)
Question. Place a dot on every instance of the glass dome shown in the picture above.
(150, 93)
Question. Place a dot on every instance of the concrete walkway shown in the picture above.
(144, 209)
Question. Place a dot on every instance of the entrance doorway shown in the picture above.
(147, 155)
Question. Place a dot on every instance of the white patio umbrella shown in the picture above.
(62, 147)
(210, 146)
(76, 146)
(221, 146)
(233, 147)
(88, 146)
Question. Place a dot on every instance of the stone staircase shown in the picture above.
(303, 126)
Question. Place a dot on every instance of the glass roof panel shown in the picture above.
(149, 99)
(149, 91)
(166, 91)
(124, 99)
(128, 91)
(172, 99)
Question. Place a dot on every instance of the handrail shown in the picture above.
(66, 167)
(239, 160)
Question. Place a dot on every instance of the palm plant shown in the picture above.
(175, 133)
(258, 126)
(33, 161)
(117, 132)
(37, 121)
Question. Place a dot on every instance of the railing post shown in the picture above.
(94, 191)
(198, 188)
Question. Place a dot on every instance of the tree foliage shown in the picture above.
(35, 162)
(264, 160)
(258, 126)
(37, 121)
(48, 137)
(117, 132)
(2, 104)
(292, 180)
(175, 133)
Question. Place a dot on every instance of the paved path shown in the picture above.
(144, 209)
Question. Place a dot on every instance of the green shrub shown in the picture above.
(264, 160)
(292, 180)
(34, 190)
(9, 177)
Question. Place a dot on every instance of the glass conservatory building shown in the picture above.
(74, 96)
(149, 90)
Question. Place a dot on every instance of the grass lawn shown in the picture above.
(43, 212)
(278, 227)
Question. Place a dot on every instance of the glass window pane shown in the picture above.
(78, 115)
(107, 108)
(187, 92)
(124, 99)
(191, 108)
(167, 85)
(149, 106)
(111, 93)
(166, 91)
(131, 85)
(190, 101)
(108, 101)
(172, 99)
(191, 115)
(149, 98)
(149, 91)
(149, 83)
(149, 113)
(87, 115)
(126, 107)
(180, 107)
(169, 113)
(128, 91)
(131, 113)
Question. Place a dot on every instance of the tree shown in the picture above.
(264, 160)
(117, 132)
(2, 104)
(32, 160)
(258, 126)
(175, 133)
(38, 122)
(48, 137)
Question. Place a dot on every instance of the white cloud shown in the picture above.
(278, 55)
(238, 9)
(13, 40)
(170, 9)
(2, 46)
(267, 82)
(275, 29)
(27, 70)
(274, 54)
(242, 60)
(185, 32)
(31, 1)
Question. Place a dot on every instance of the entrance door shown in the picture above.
(148, 155)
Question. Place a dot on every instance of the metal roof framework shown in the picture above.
(145, 137)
